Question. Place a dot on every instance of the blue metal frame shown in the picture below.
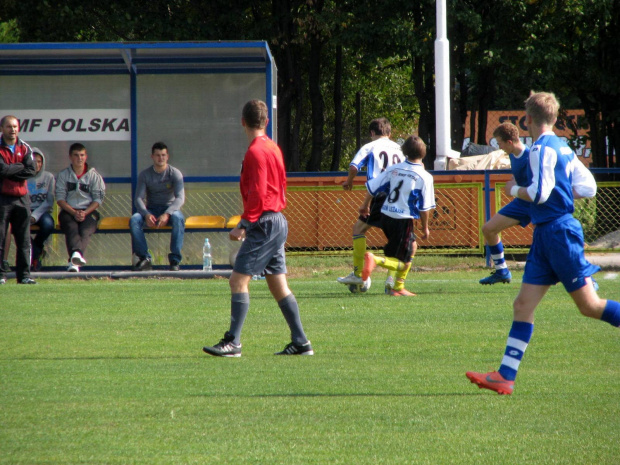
(126, 62)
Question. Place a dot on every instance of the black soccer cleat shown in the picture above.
(224, 348)
(144, 264)
(297, 349)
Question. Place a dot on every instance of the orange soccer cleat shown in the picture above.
(492, 380)
(401, 293)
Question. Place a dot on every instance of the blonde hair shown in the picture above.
(543, 107)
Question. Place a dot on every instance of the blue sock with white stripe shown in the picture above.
(497, 254)
(611, 314)
(518, 339)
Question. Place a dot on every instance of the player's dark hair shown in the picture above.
(380, 126)
(76, 147)
(414, 148)
(255, 114)
(507, 132)
(158, 146)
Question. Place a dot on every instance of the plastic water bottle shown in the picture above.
(207, 262)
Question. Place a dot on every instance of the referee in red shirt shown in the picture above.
(263, 230)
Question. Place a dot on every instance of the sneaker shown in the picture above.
(401, 293)
(224, 348)
(36, 265)
(143, 264)
(369, 265)
(351, 279)
(27, 281)
(77, 259)
(497, 276)
(297, 349)
(72, 268)
(492, 380)
(174, 267)
(389, 284)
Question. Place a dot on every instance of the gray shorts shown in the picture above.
(262, 251)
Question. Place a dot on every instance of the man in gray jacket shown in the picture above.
(41, 190)
(160, 194)
(79, 192)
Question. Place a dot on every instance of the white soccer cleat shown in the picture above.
(364, 287)
(77, 259)
(389, 284)
(351, 279)
(72, 268)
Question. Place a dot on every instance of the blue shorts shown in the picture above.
(262, 251)
(517, 209)
(557, 255)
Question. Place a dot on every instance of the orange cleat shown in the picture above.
(369, 265)
(401, 293)
(492, 380)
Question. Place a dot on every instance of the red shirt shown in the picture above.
(263, 179)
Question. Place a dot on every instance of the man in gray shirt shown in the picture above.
(159, 197)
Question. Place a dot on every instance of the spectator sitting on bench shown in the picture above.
(79, 192)
(41, 189)
(160, 194)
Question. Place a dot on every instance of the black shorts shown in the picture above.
(400, 236)
(374, 219)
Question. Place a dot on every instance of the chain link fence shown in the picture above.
(321, 217)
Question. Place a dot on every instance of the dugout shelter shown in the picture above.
(119, 98)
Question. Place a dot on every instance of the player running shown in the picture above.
(514, 213)
(408, 194)
(557, 251)
(375, 156)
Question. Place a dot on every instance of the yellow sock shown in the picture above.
(359, 250)
(401, 275)
(390, 263)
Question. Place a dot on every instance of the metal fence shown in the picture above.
(321, 216)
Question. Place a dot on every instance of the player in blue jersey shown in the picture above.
(514, 213)
(409, 195)
(557, 252)
(375, 157)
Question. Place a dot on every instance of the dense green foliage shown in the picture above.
(328, 52)
(107, 372)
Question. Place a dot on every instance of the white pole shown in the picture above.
(442, 89)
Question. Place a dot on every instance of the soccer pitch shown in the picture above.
(112, 372)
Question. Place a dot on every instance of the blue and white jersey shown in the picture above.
(520, 164)
(409, 189)
(377, 156)
(553, 165)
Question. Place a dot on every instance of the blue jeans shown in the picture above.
(46, 226)
(138, 240)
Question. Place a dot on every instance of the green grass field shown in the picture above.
(112, 372)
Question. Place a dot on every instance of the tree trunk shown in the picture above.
(485, 85)
(316, 105)
(335, 166)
